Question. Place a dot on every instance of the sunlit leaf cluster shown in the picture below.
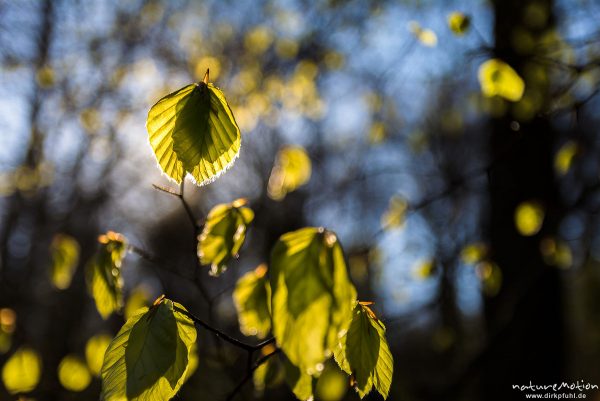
(103, 274)
(224, 234)
(292, 169)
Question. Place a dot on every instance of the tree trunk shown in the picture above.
(524, 320)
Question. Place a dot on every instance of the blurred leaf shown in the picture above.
(224, 234)
(258, 40)
(529, 217)
(292, 169)
(21, 372)
(312, 297)
(459, 23)
(286, 48)
(332, 384)
(395, 214)
(192, 130)
(8, 320)
(300, 383)
(270, 373)
(103, 274)
(149, 357)
(138, 298)
(90, 120)
(252, 299)
(377, 133)
(73, 374)
(491, 277)
(45, 77)
(95, 348)
(65, 256)
(426, 36)
(473, 253)
(564, 157)
(556, 252)
(499, 79)
(5, 341)
(425, 269)
(209, 62)
(364, 353)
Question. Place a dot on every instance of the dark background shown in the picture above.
(381, 112)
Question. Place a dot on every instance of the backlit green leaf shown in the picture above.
(312, 296)
(65, 256)
(252, 299)
(192, 130)
(150, 356)
(364, 353)
(103, 274)
(224, 234)
(21, 372)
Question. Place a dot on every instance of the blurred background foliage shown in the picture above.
(452, 146)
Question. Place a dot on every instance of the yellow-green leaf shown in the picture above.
(300, 382)
(333, 384)
(192, 130)
(491, 277)
(364, 353)
(499, 79)
(73, 374)
(529, 217)
(8, 320)
(312, 297)
(65, 256)
(270, 373)
(21, 372)
(291, 170)
(564, 157)
(426, 36)
(95, 349)
(473, 253)
(149, 357)
(459, 23)
(395, 214)
(224, 234)
(103, 274)
(252, 299)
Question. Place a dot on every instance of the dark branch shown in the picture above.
(224, 336)
(249, 374)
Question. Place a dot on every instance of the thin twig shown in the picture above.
(196, 227)
(249, 374)
(188, 210)
(224, 336)
(145, 255)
